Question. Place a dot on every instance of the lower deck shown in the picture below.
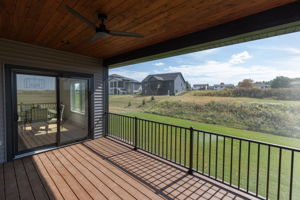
(104, 169)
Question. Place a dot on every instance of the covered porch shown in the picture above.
(111, 156)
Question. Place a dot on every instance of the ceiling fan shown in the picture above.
(101, 30)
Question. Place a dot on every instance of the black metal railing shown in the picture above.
(265, 170)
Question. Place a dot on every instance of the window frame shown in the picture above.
(82, 96)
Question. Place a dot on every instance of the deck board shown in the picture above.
(59, 181)
(114, 188)
(47, 181)
(22, 181)
(37, 187)
(84, 181)
(11, 187)
(105, 169)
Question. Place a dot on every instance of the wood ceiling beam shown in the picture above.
(271, 18)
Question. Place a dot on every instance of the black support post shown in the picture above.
(135, 133)
(191, 150)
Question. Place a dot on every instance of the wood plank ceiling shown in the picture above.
(47, 23)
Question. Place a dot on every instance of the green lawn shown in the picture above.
(166, 139)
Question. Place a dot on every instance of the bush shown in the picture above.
(278, 93)
(144, 102)
(129, 103)
(152, 98)
(279, 119)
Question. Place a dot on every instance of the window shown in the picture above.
(120, 84)
(78, 96)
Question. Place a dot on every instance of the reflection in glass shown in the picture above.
(36, 107)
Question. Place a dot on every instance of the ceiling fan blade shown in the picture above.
(82, 18)
(97, 36)
(118, 33)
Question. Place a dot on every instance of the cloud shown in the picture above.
(286, 49)
(159, 64)
(213, 72)
(240, 57)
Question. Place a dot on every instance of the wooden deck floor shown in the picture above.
(104, 169)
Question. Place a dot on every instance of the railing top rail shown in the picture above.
(218, 134)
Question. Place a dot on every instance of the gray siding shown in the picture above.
(179, 85)
(17, 53)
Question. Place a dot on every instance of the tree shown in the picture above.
(188, 86)
(246, 83)
(281, 82)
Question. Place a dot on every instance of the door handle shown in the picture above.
(16, 117)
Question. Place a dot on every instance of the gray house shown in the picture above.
(163, 84)
(123, 85)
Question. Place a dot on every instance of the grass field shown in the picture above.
(278, 117)
(155, 140)
(119, 104)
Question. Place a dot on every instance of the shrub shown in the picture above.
(279, 119)
(152, 98)
(129, 103)
(144, 102)
(275, 93)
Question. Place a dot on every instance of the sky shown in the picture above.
(259, 60)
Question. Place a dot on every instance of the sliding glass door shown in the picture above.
(74, 109)
(50, 111)
(36, 111)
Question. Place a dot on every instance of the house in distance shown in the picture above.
(164, 84)
(200, 86)
(123, 85)
(223, 86)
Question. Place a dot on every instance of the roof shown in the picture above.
(48, 23)
(195, 85)
(117, 76)
(164, 77)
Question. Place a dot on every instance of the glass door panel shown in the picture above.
(73, 109)
(36, 110)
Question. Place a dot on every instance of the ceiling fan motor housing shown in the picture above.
(102, 17)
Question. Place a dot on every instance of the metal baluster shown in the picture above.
(148, 136)
(248, 163)
(185, 147)
(209, 158)
(203, 154)
(231, 154)
(223, 168)
(180, 146)
(167, 142)
(239, 172)
(197, 151)
(175, 144)
(257, 173)
(279, 174)
(217, 153)
(268, 173)
(292, 176)
(135, 133)
(191, 150)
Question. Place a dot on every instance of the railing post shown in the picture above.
(106, 124)
(191, 150)
(135, 133)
